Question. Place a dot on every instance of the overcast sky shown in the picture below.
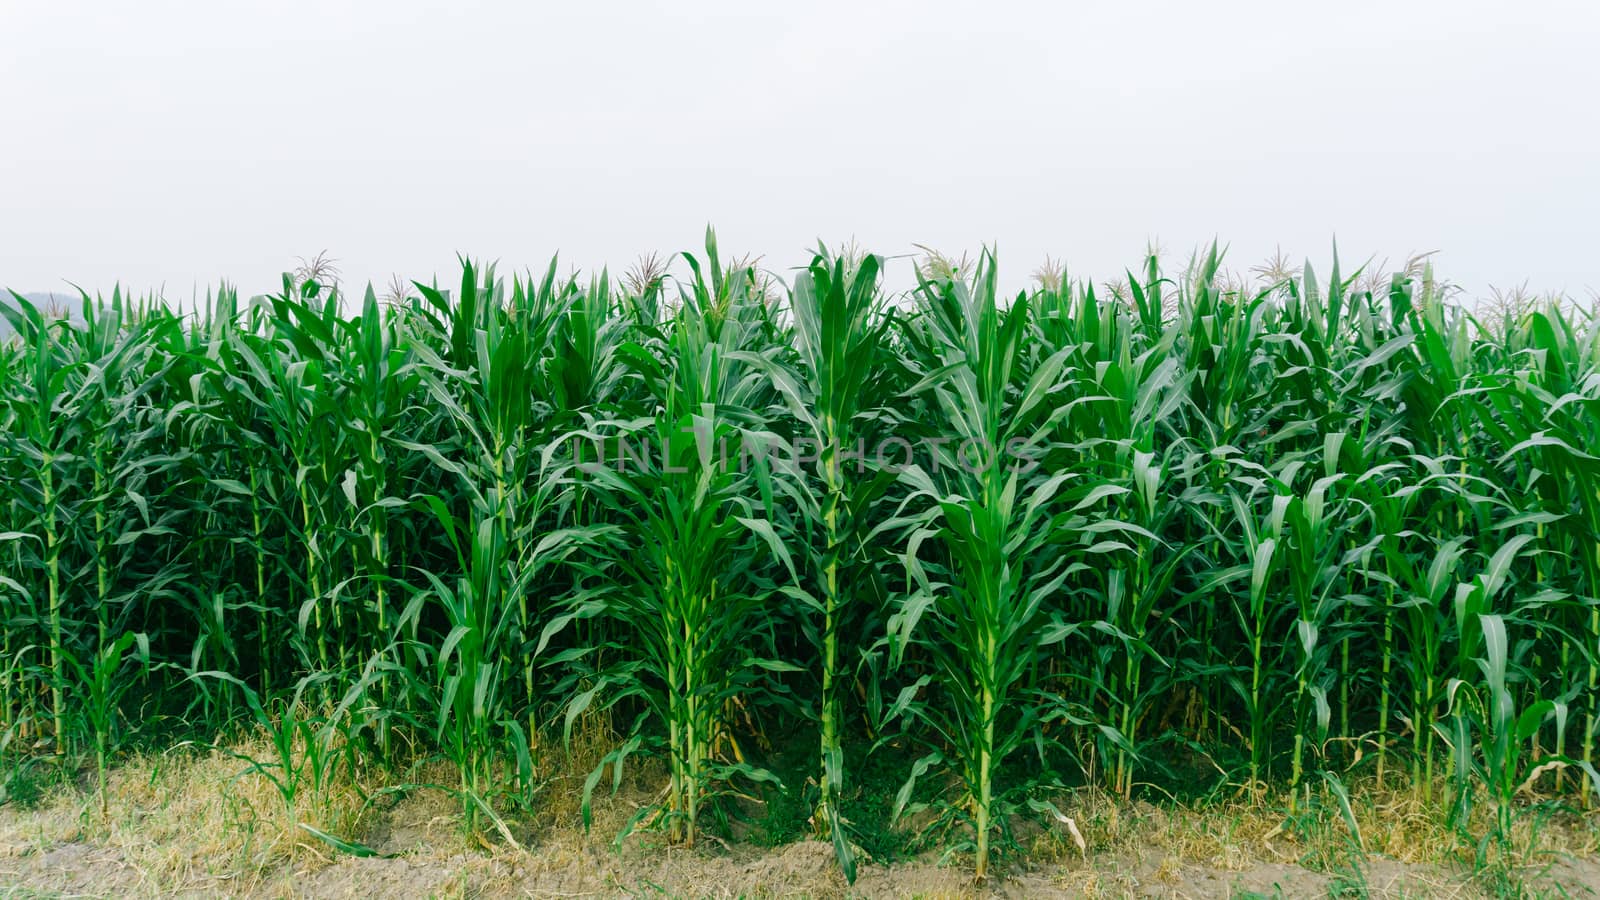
(175, 144)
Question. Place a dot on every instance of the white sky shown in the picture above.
(174, 144)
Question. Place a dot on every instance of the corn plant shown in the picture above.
(683, 484)
(45, 423)
(1547, 414)
(984, 614)
(1126, 390)
(501, 533)
(841, 337)
(103, 684)
(308, 741)
(1492, 731)
(1314, 549)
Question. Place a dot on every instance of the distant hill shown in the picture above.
(43, 300)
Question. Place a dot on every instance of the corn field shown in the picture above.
(1130, 538)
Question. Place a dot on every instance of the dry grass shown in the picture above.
(195, 821)
(1233, 834)
(198, 819)
(191, 815)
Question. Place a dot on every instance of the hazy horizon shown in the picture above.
(173, 146)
